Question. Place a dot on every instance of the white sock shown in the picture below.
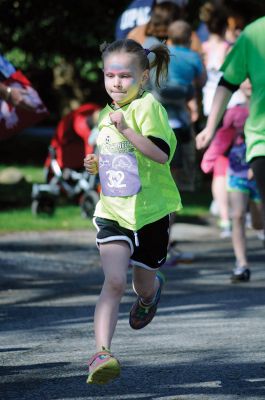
(239, 269)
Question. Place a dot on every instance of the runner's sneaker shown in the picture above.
(240, 275)
(175, 256)
(103, 367)
(260, 234)
(141, 314)
(225, 229)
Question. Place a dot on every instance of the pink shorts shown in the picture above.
(220, 166)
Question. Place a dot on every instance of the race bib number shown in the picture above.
(119, 175)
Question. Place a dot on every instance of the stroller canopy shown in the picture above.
(71, 137)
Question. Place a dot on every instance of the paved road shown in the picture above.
(206, 342)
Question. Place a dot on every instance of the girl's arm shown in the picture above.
(142, 143)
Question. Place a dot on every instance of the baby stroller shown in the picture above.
(65, 175)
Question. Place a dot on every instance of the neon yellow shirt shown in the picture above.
(247, 59)
(158, 194)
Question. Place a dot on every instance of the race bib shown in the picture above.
(119, 174)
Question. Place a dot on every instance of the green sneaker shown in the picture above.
(103, 367)
(141, 314)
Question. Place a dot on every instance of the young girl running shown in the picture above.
(135, 145)
(242, 188)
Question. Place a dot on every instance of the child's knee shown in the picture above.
(116, 285)
(238, 215)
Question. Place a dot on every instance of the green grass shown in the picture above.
(18, 218)
(196, 204)
(68, 217)
(65, 218)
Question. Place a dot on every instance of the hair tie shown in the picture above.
(147, 51)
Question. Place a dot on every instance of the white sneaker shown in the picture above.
(225, 233)
(214, 210)
(248, 223)
(260, 234)
(225, 227)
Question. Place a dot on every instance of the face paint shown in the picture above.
(123, 77)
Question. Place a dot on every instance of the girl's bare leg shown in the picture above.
(256, 211)
(115, 260)
(239, 202)
(145, 284)
(220, 194)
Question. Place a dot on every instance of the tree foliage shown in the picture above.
(56, 43)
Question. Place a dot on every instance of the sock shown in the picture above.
(239, 269)
(152, 301)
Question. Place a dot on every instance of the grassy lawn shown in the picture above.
(68, 216)
(65, 218)
(196, 203)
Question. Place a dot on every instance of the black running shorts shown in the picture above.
(148, 245)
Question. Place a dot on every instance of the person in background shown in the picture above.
(138, 13)
(16, 97)
(242, 188)
(186, 75)
(157, 26)
(135, 145)
(239, 14)
(162, 14)
(186, 68)
(214, 51)
(176, 94)
(245, 60)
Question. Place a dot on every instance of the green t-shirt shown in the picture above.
(158, 194)
(247, 60)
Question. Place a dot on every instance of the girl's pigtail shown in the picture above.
(160, 62)
(103, 47)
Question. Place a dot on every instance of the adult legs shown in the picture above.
(115, 260)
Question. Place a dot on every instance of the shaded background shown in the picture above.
(56, 45)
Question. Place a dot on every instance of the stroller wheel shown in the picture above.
(43, 206)
(88, 203)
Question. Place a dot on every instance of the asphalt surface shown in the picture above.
(206, 342)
